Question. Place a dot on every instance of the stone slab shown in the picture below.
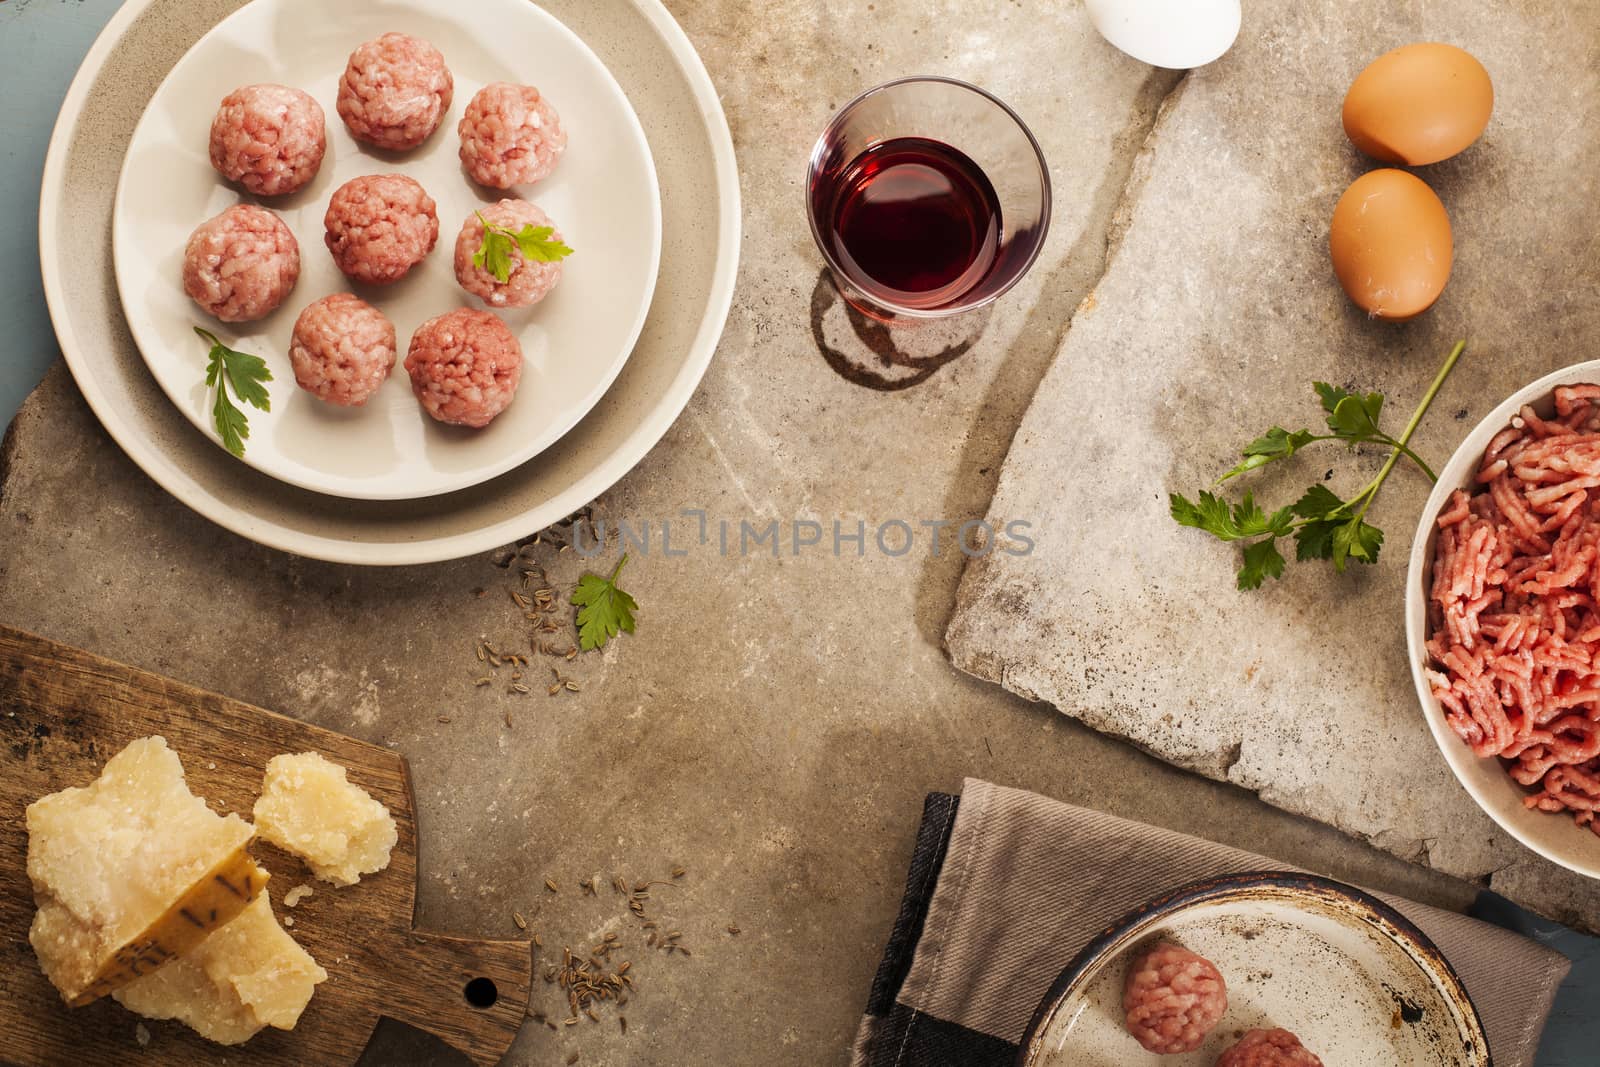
(1217, 310)
(774, 723)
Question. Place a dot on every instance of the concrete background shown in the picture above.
(774, 723)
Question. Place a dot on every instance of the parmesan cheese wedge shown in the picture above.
(248, 975)
(310, 808)
(131, 871)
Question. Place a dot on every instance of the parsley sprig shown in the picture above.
(1323, 526)
(245, 373)
(603, 609)
(536, 243)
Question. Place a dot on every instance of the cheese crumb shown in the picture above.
(296, 895)
(131, 870)
(309, 807)
(248, 975)
(141, 1034)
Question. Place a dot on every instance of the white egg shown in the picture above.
(1179, 34)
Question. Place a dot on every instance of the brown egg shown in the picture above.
(1418, 104)
(1391, 245)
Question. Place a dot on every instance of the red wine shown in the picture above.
(915, 222)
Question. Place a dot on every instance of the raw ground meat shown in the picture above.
(510, 135)
(394, 91)
(529, 281)
(1268, 1048)
(1172, 999)
(342, 349)
(1513, 623)
(380, 226)
(464, 367)
(268, 138)
(240, 265)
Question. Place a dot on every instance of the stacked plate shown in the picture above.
(613, 355)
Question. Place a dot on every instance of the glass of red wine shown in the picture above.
(928, 197)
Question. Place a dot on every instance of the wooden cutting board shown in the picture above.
(64, 712)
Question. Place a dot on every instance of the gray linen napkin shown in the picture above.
(1007, 886)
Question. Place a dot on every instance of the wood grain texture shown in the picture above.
(64, 712)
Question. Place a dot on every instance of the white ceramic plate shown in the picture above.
(602, 195)
(677, 102)
(1345, 973)
(1552, 835)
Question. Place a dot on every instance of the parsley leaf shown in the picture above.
(603, 609)
(1324, 527)
(1262, 560)
(536, 243)
(245, 373)
(1318, 502)
(1245, 519)
(1276, 443)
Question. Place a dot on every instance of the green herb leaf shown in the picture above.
(245, 373)
(1261, 561)
(603, 609)
(1314, 540)
(534, 242)
(1353, 417)
(1276, 443)
(1317, 502)
(1355, 540)
(1243, 520)
(537, 246)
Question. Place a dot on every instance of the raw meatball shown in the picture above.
(530, 281)
(342, 349)
(1268, 1048)
(1172, 999)
(241, 265)
(268, 138)
(380, 226)
(394, 91)
(510, 135)
(464, 367)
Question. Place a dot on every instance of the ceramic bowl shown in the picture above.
(1553, 836)
(1343, 971)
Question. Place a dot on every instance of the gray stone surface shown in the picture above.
(1217, 310)
(774, 723)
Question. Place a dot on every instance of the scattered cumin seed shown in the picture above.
(622, 1021)
(571, 653)
(570, 1022)
(679, 872)
(573, 686)
(551, 885)
(443, 718)
(554, 689)
(624, 968)
(482, 655)
(516, 917)
(618, 884)
(640, 887)
(733, 928)
(610, 936)
(590, 1013)
(683, 950)
(508, 720)
(552, 1026)
(485, 680)
(520, 688)
(572, 1059)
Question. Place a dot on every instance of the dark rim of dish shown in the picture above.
(1403, 930)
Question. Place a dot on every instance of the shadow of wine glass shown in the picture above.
(890, 358)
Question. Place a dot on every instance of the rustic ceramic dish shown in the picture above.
(677, 104)
(1553, 836)
(1346, 973)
